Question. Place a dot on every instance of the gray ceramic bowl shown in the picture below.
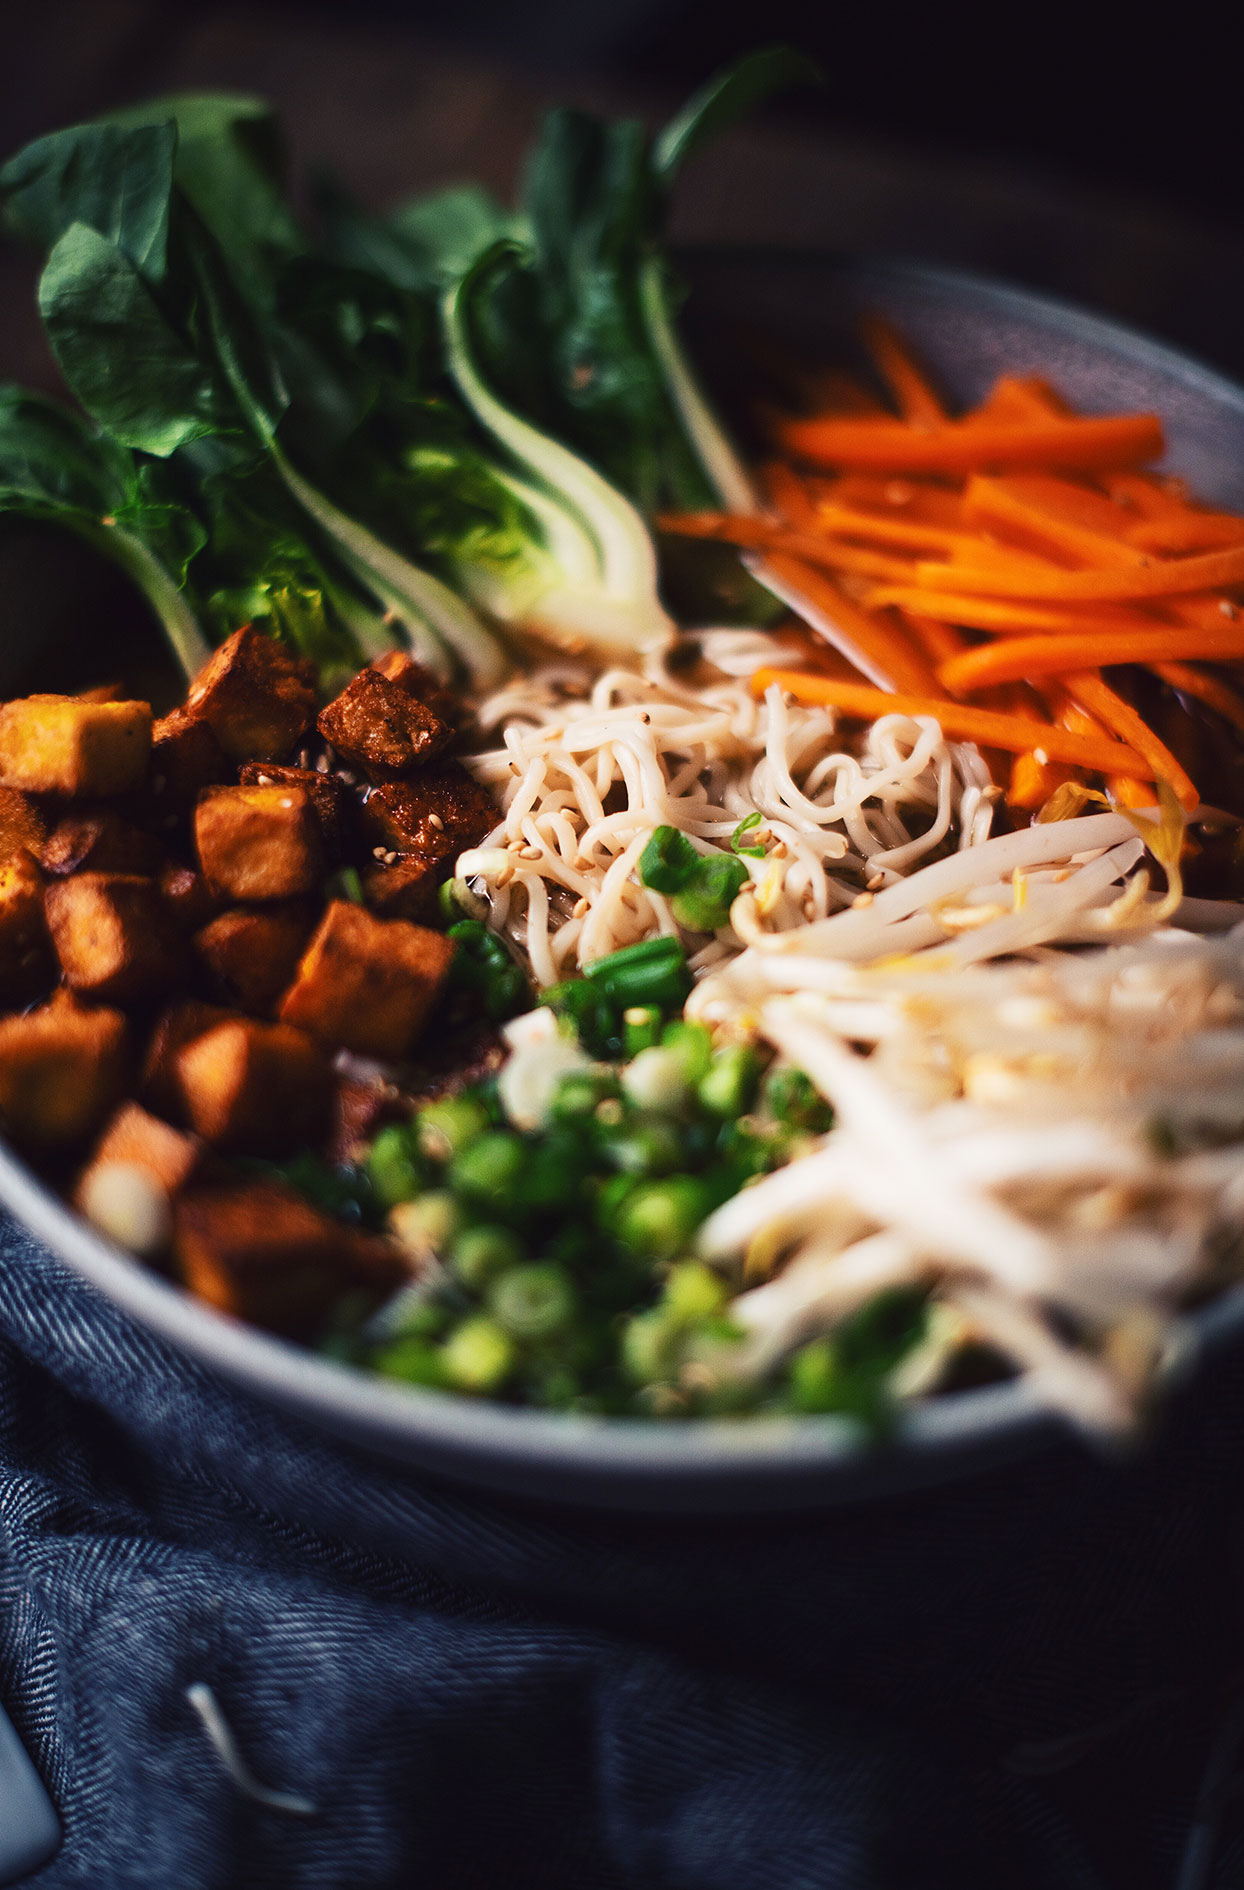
(968, 330)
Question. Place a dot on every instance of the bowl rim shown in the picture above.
(710, 1465)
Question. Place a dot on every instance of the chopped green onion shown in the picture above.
(647, 1144)
(792, 1098)
(484, 971)
(641, 1028)
(703, 905)
(591, 1012)
(479, 1254)
(580, 1093)
(659, 1217)
(745, 826)
(427, 1224)
(457, 902)
(533, 1302)
(394, 1167)
(668, 861)
(479, 1356)
(729, 1085)
(445, 1127)
(657, 1079)
(693, 1043)
(486, 1170)
(652, 972)
(413, 1359)
(346, 884)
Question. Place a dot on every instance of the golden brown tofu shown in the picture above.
(98, 840)
(61, 1071)
(22, 826)
(405, 890)
(367, 984)
(256, 696)
(397, 667)
(134, 1139)
(327, 795)
(376, 725)
(250, 953)
(62, 745)
(259, 842)
(185, 758)
(180, 1024)
(116, 939)
(437, 813)
(25, 951)
(256, 1089)
(261, 1252)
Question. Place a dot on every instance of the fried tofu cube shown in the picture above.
(61, 1071)
(257, 697)
(262, 1253)
(437, 813)
(377, 726)
(62, 745)
(328, 797)
(185, 758)
(100, 841)
(397, 667)
(359, 1110)
(115, 937)
(259, 842)
(188, 896)
(405, 890)
(367, 984)
(134, 1139)
(25, 953)
(180, 1024)
(256, 1089)
(22, 827)
(250, 953)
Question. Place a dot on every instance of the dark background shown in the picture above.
(1081, 148)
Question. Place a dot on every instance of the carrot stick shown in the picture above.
(1012, 658)
(789, 496)
(1014, 507)
(907, 381)
(1019, 397)
(996, 613)
(1187, 531)
(1146, 493)
(1121, 718)
(938, 640)
(961, 721)
(1208, 689)
(1168, 577)
(1087, 445)
(845, 521)
(762, 534)
(876, 646)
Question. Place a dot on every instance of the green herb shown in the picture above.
(653, 972)
(667, 861)
(745, 826)
(704, 903)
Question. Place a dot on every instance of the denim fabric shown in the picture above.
(1016, 1680)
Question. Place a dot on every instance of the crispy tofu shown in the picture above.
(98, 840)
(367, 984)
(359, 1110)
(180, 1024)
(259, 842)
(22, 826)
(25, 952)
(376, 725)
(405, 890)
(261, 1252)
(63, 745)
(250, 953)
(436, 814)
(256, 1089)
(397, 667)
(116, 939)
(327, 795)
(185, 758)
(133, 1139)
(61, 1071)
(257, 697)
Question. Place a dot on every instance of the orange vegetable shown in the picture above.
(1165, 577)
(1012, 658)
(762, 534)
(1122, 719)
(1006, 614)
(1179, 532)
(961, 721)
(1051, 515)
(1096, 444)
(906, 379)
(1208, 689)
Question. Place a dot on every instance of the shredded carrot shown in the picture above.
(1181, 532)
(1043, 514)
(762, 534)
(1166, 577)
(1096, 444)
(961, 721)
(938, 640)
(848, 521)
(1011, 658)
(1146, 493)
(1009, 614)
(873, 642)
(1207, 689)
(907, 381)
(1122, 720)
(789, 495)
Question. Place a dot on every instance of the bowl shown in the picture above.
(968, 330)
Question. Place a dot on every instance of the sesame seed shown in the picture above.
(434, 820)
(861, 900)
(1226, 607)
(1041, 758)
(390, 859)
(580, 909)
(265, 780)
(377, 853)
